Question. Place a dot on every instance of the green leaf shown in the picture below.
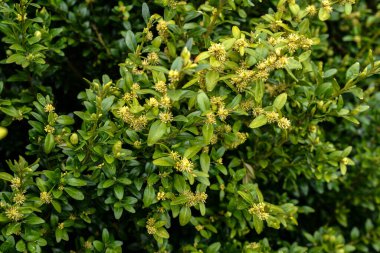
(74, 193)
(304, 56)
(130, 40)
(76, 182)
(353, 71)
(13, 228)
(119, 191)
(294, 64)
(149, 195)
(273, 222)
(352, 119)
(343, 168)
(162, 232)
(98, 245)
(49, 143)
(108, 183)
(280, 101)
(236, 32)
(105, 235)
(65, 120)
(34, 220)
(56, 206)
(118, 212)
(179, 183)
(246, 196)
(258, 224)
(211, 79)
(207, 131)
(180, 200)
(192, 151)
(259, 121)
(324, 90)
(156, 131)
(259, 92)
(202, 56)
(203, 101)
(205, 162)
(145, 12)
(107, 103)
(164, 161)
(3, 218)
(20, 246)
(330, 73)
(323, 14)
(17, 58)
(348, 8)
(214, 248)
(5, 176)
(184, 215)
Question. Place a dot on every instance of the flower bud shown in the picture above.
(37, 34)
(74, 139)
(3, 132)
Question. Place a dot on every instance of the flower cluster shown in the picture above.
(218, 51)
(166, 117)
(162, 28)
(150, 226)
(13, 213)
(184, 165)
(194, 198)
(245, 77)
(46, 197)
(136, 122)
(259, 211)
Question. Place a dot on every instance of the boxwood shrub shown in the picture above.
(190, 126)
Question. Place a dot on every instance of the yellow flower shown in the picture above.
(311, 10)
(218, 51)
(16, 183)
(150, 226)
(49, 108)
(49, 129)
(240, 43)
(272, 116)
(46, 197)
(283, 123)
(152, 102)
(222, 113)
(184, 165)
(259, 211)
(166, 117)
(153, 58)
(125, 114)
(149, 36)
(19, 198)
(199, 227)
(61, 225)
(160, 86)
(201, 197)
(173, 76)
(174, 155)
(162, 28)
(161, 196)
(139, 123)
(258, 111)
(135, 87)
(165, 102)
(88, 245)
(13, 213)
(210, 118)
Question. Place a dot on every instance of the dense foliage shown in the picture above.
(190, 126)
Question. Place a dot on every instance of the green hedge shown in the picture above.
(219, 126)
